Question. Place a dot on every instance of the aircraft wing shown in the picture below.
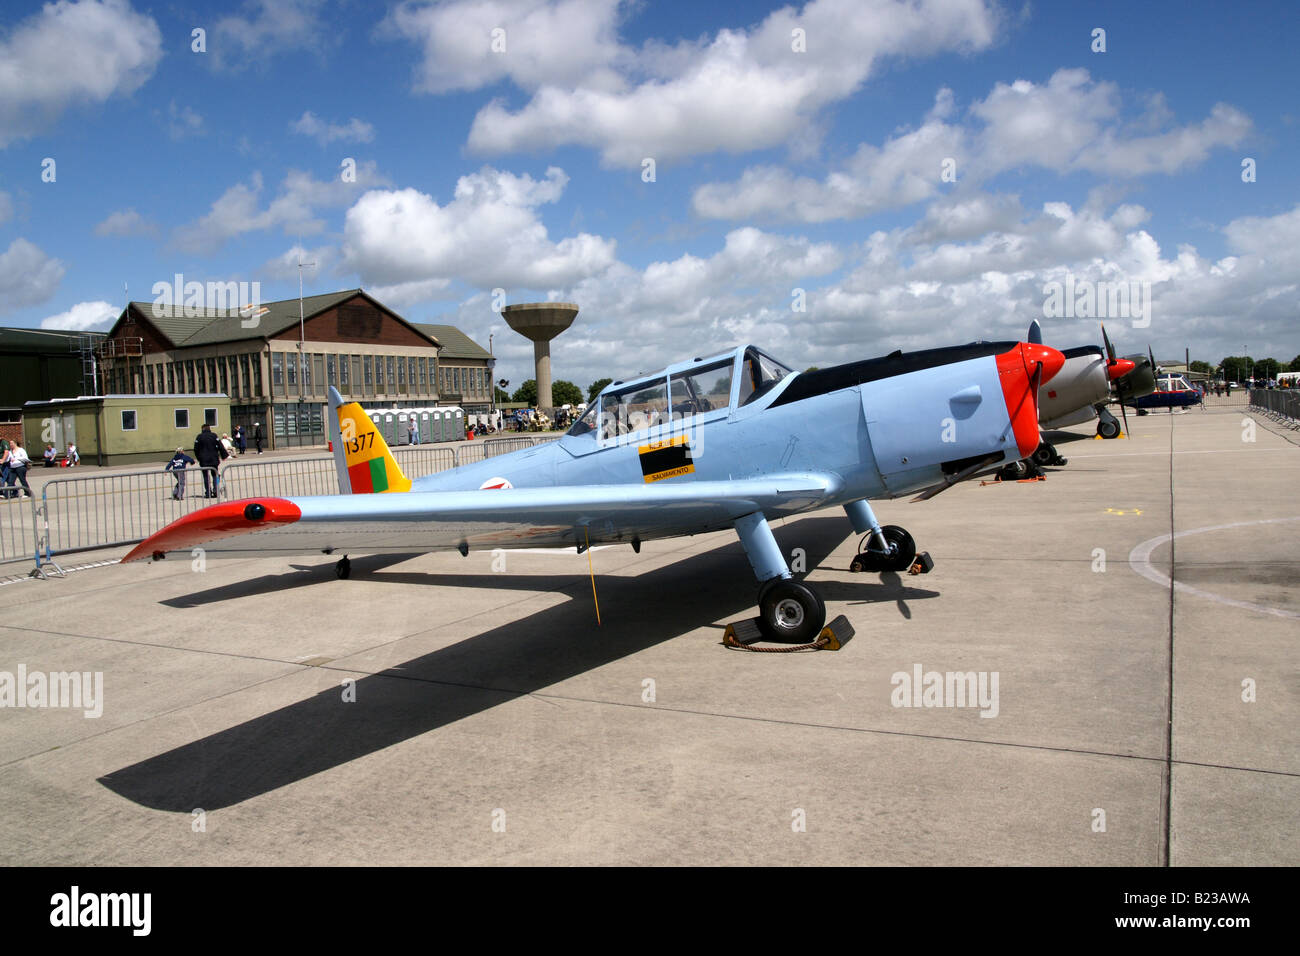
(415, 522)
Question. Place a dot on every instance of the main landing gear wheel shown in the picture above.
(902, 551)
(790, 611)
(1108, 429)
(343, 568)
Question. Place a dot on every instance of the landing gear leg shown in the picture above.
(343, 568)
(789, 610)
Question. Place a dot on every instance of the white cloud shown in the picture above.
(905, 170)
(404, 295)
(353, 131)
(70, 53)
(27, 276)
(238, 210)
(1069, 123)
(910, 290)
(740, 90)
(489, 235)
(84, 316)
(126, 222)
(266, 28)
(285, 265)
(183, 122)
(545, 41)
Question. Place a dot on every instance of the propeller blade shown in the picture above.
(1124, 415)
(962, 475)
(1110, 349)
(1153, 360)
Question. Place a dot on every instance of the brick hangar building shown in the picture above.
(276, 370)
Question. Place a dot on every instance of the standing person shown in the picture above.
(4, 467)
(241, 439)
(258, 437)
(208, 451)
(412, 433)
(18, 461)
(177, 467)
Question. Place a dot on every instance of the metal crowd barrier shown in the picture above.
(1278, 405)
(86, 513)
(19, 530)
(103, 511)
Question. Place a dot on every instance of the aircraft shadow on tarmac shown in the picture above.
(472, 675)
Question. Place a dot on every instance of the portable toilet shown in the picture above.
(425, 426)
(457, 423)
(403, 435)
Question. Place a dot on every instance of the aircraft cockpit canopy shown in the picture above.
(759, 373)
(704, 387)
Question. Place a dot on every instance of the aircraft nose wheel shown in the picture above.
(902, 551)
(1108, 429)
(790, 611)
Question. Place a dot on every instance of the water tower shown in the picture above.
(541, 322)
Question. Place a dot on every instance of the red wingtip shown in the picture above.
(1119, 368)
(216, 521)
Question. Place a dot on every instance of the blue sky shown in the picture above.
(776, 169)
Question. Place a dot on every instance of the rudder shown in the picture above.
(364, 463)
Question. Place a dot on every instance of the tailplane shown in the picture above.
(364, 463)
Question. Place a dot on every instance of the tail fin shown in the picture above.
(361, 456)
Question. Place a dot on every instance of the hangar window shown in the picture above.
(182, 417)
(210, 417)
(128, 419)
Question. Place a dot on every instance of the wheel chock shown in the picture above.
(923, 564)
(743, 635)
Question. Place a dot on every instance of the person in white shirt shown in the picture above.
(18, 461)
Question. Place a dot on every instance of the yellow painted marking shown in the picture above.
(670, 473)
(666, 443)
(1122, 511)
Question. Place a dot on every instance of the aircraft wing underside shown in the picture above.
(414, 522)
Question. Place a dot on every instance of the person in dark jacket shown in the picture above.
(177, 467)
(208, 451)
(241, 439)
(258, 437)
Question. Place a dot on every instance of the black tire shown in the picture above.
(902, 551)
(1108, 429)
(1015, 471)
(1044, 454)
(790, 612)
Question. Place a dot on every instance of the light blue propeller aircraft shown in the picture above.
(732, 440)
